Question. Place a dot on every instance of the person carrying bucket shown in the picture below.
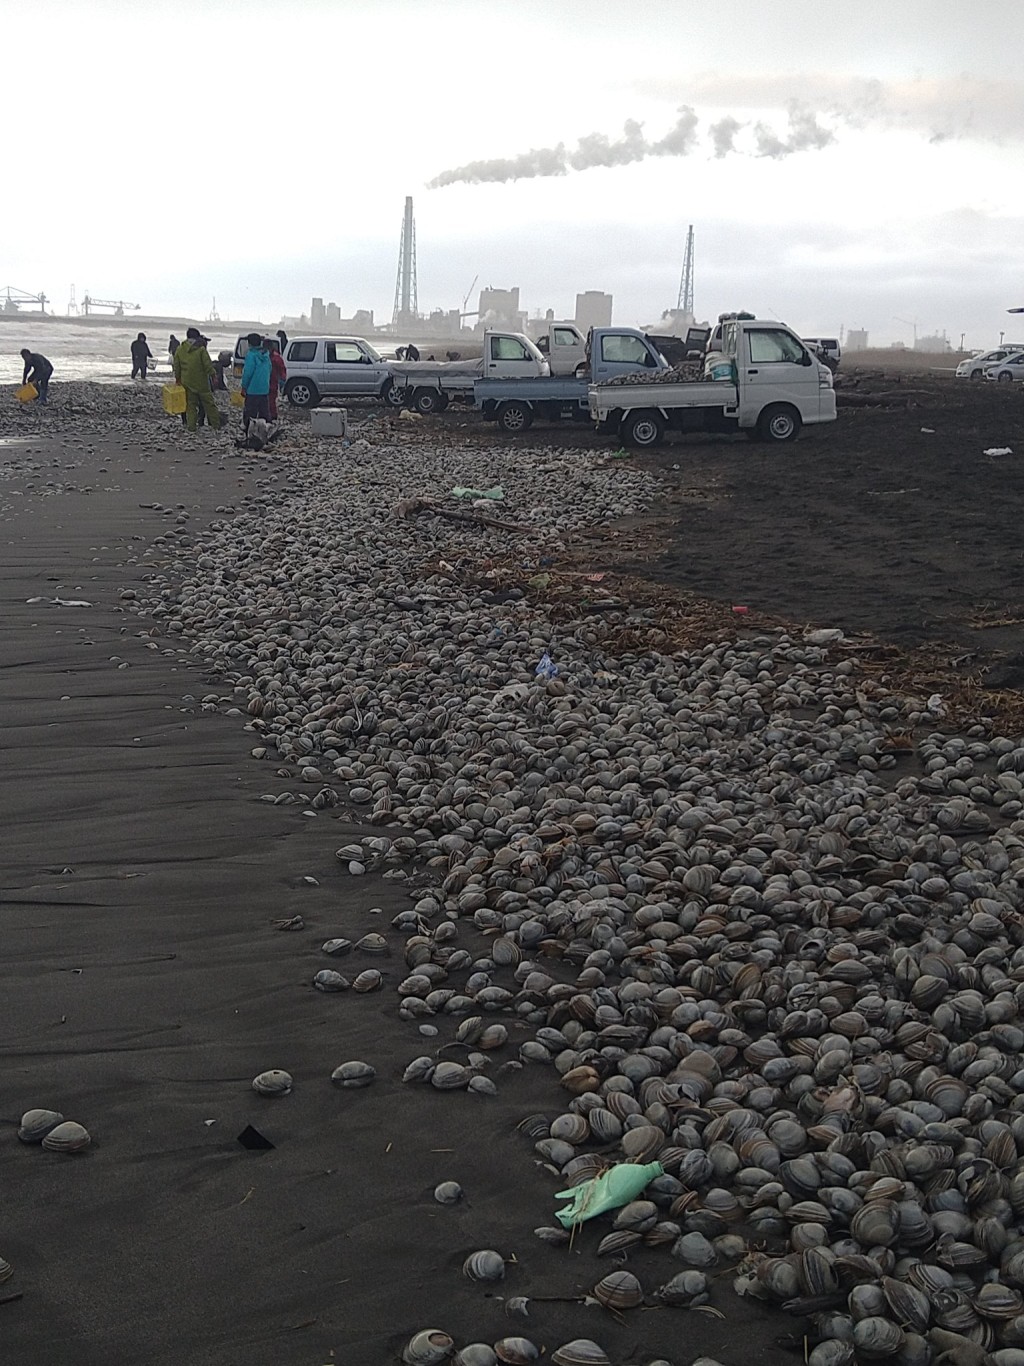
(141, 355)
(193, 370)
(256, 379)
(37, 371)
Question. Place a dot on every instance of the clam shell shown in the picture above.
(486, 1265)
(618, 1290)
(352, 1075)
(372, 943)
(336, 947)
(68, 1137)
(36, 1124)
(877, 1337)
(369, 980)
(272, 1083)
(6, 1270)
(450, 1076)
(329, 980)
(683, 1289)
(428, 1347)
(516, 1351)
(448, 1193)
(580, 1352)
(475, 1354)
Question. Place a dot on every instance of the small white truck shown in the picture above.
(429, 386)
(773, 386)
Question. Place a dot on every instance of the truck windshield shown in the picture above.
(508, 348)
(630, 350)
(772, 344)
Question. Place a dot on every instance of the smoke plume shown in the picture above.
(803, 133)
(594, 149)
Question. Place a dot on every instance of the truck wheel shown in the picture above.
(392, 394)
(778, 422)
(514, 417)
(302, 393)
(643, 428)
(426, 401)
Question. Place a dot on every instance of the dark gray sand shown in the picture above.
(144, 985)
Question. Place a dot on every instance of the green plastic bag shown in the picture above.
(497, 493)
(612, 1189)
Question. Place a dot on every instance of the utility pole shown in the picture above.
(685, 300)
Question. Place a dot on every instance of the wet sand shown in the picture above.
(144, 985)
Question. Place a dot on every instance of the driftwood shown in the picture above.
(409, 507)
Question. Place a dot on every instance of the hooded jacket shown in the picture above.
(256, 372)
(193, 367)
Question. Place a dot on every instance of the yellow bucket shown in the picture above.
(26, 393)
(174, 399)
(236, 399)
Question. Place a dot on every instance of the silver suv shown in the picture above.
(334, 367)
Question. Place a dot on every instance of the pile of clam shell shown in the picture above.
(741, 911)
(433, 1346)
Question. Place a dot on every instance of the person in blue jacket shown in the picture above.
(256, 376)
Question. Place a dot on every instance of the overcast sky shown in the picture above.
(847, 165)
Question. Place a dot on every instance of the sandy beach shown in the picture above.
(147, 978)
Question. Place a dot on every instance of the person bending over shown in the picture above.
(37, 371)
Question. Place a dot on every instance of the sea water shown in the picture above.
(82, 351)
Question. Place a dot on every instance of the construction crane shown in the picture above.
(14, 299)
(72, 305)
(213, 316)
(120, 306)
(465, 301)
(909, 323)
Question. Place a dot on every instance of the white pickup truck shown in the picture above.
(429, 386)
(773, 387)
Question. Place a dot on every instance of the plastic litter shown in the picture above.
(496, 492)
(547, 668)
(236, 398)
(253, 1140)
(174, 399)
(25, 393)
(611, 1190)
(999, 450)
(826, 636)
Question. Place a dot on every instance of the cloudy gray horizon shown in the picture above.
(857, 173)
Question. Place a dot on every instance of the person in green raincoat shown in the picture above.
(193, 369)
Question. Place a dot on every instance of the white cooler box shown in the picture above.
(329, 421)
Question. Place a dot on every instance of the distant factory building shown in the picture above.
(327, 317)
(593, 309)
(857, 339)
(500, 307)
(935, 345)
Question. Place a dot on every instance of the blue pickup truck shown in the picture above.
(514, 403)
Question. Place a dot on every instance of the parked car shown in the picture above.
(826, 349)
(334, 367)
(1010, 368)
(976, 367)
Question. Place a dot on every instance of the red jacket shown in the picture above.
(278, 369)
